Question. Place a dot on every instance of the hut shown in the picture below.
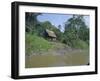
(50, 35)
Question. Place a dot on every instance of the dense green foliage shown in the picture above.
(76, 31)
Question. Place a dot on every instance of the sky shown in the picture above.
(58, 19)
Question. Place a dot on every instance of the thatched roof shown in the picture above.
(51, 33)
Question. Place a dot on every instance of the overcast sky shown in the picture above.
(59, 19)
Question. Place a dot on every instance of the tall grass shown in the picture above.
(35, 44)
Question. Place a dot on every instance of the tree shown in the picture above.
(31, 21)
(59, 27)
(84, 34)
(47, 25)
(75, 29)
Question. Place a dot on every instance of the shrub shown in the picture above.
(79, 44)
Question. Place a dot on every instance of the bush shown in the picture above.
(76, 43)
(79, 44)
